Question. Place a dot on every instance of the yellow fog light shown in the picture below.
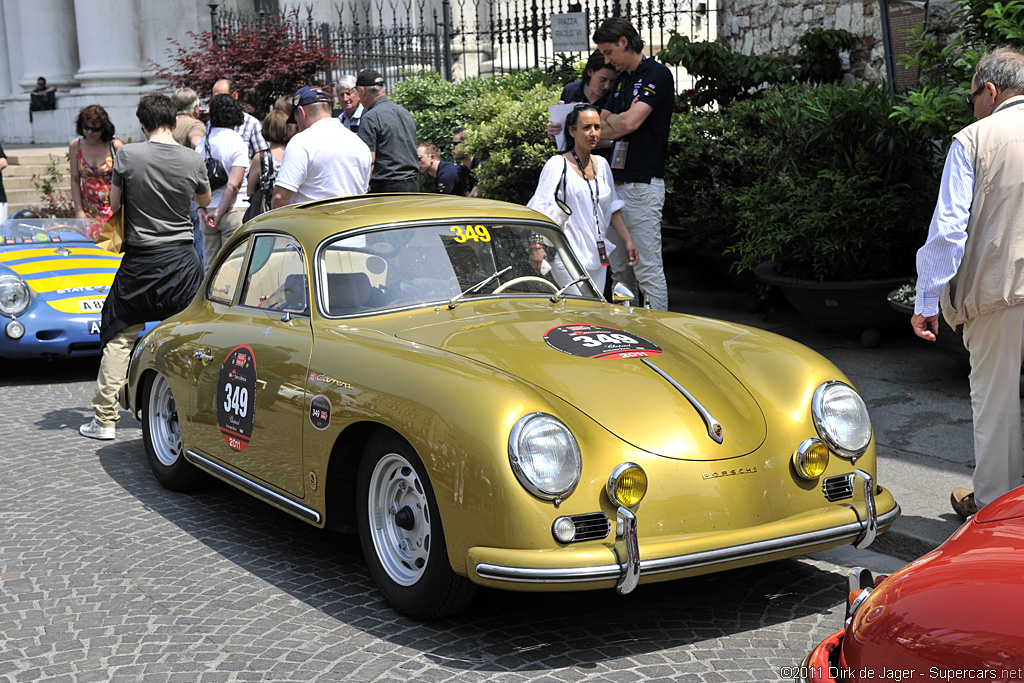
(811, 458)
(627, 484)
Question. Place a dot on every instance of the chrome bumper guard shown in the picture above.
(627, 573)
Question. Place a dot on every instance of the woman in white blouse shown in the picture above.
(576, 190)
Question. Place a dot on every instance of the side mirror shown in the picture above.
(621, 294)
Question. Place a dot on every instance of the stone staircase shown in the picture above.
(26, 162)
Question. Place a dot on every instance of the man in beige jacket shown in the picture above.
(973, 260)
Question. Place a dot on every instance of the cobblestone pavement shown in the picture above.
(105, 576)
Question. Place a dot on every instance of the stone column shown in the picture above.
(12, 35)
(5, 63)
(109, 56)
(163, 19)
(49, 44)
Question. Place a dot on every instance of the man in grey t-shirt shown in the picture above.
(160, 273)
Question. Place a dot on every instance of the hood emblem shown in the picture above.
(715, 430)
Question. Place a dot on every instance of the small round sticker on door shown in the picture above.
(236, 397)
(592, 341)
(320, 412)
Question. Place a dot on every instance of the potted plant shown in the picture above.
(835, 223)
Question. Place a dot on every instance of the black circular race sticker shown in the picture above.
(320, 412)
(591, 341)
(236, 397)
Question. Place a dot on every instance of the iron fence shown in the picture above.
(460, 38)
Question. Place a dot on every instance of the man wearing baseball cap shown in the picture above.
(390, 133)
(324, 159)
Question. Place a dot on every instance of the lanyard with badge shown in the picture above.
(595, 196)
(621, 147)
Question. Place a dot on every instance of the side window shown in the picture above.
(225, 281)
(354, 280)
(276, 279)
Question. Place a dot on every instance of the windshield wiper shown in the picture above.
(454, 301)
(557, 296)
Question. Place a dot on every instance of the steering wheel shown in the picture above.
(525, 278)
(66, 226)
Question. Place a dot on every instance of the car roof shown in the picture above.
(312, 221)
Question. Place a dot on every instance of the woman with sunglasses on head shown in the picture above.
(583, 182)
(92, 166)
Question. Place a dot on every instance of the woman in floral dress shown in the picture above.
(92, 165)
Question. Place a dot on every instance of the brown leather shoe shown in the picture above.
(963, 503)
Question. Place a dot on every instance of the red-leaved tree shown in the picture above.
(264, 61)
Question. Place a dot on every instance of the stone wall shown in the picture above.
(773, 28)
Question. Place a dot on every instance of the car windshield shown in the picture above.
(440, 263)
(45, 230)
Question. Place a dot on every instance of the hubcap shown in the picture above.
(399, 519)
(163, 423)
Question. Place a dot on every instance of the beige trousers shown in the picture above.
(996, 344)
(113, 369)
(214, 238)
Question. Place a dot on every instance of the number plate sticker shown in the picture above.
(320, 412)
(236, 397)
(94, 327)
(591, 341)
(90, 305)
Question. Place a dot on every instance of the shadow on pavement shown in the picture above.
(500, 631)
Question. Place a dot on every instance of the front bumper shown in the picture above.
(585, 568)
(817, 667)
(52, 336)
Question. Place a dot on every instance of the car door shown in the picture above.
(253, 361)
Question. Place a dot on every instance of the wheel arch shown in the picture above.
(343, 471)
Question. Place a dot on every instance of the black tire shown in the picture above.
(162, 439)
(406, 551)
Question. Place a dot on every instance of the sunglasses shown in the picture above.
(94, 129)
(969, 100)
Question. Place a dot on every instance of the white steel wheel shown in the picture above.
(162, 438)
(164, 422)
(401, 533)
(401, 519)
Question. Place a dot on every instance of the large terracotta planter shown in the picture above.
(846, 306)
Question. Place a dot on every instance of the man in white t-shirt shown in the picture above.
(324, 159)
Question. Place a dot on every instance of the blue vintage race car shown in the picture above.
(53, 282)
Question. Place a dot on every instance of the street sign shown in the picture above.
(569, 32)
(898, 17)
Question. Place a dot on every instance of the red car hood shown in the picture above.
(958, 607)
(623, 394)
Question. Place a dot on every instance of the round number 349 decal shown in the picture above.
(592, 341)
(236, 397)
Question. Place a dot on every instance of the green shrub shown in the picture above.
(504, 118)
(837, 225)
(712, 156)
(510, 131)
(821, 180)
(723, 76)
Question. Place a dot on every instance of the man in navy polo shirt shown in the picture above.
(448, 178)
(636, 119)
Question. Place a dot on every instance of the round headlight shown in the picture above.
(627, 484)
(13, 295)
(841, 418)
(545, 456)
(810, 458)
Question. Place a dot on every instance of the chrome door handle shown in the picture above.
(204, 356)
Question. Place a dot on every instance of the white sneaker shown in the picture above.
(94, 430)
